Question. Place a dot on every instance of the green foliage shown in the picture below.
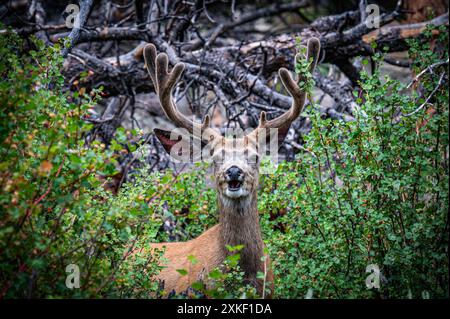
(225, 281)
(302, 67)
(53, 210)
(373, 191)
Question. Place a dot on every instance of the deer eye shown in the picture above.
(217, 158)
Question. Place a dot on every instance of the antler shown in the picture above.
(164, 82)
(284, 121)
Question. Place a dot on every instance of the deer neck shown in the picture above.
(239, 225)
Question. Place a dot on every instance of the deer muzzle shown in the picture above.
(234, 176)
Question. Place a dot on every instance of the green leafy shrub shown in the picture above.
(373, 191)
(50, 190)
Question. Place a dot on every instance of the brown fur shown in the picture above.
(239, 225)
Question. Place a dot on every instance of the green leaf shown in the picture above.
(182, 272)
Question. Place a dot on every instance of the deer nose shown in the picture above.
(233, 173)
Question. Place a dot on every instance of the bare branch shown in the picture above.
(85, 8)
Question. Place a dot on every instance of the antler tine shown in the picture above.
(284, 121)
(149, 58)
(164, 82)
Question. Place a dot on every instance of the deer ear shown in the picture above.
(180, 145)
(282, 133)
(164, 137)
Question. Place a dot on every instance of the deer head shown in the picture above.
(236, 160)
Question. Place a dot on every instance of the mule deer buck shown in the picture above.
(236, 175)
